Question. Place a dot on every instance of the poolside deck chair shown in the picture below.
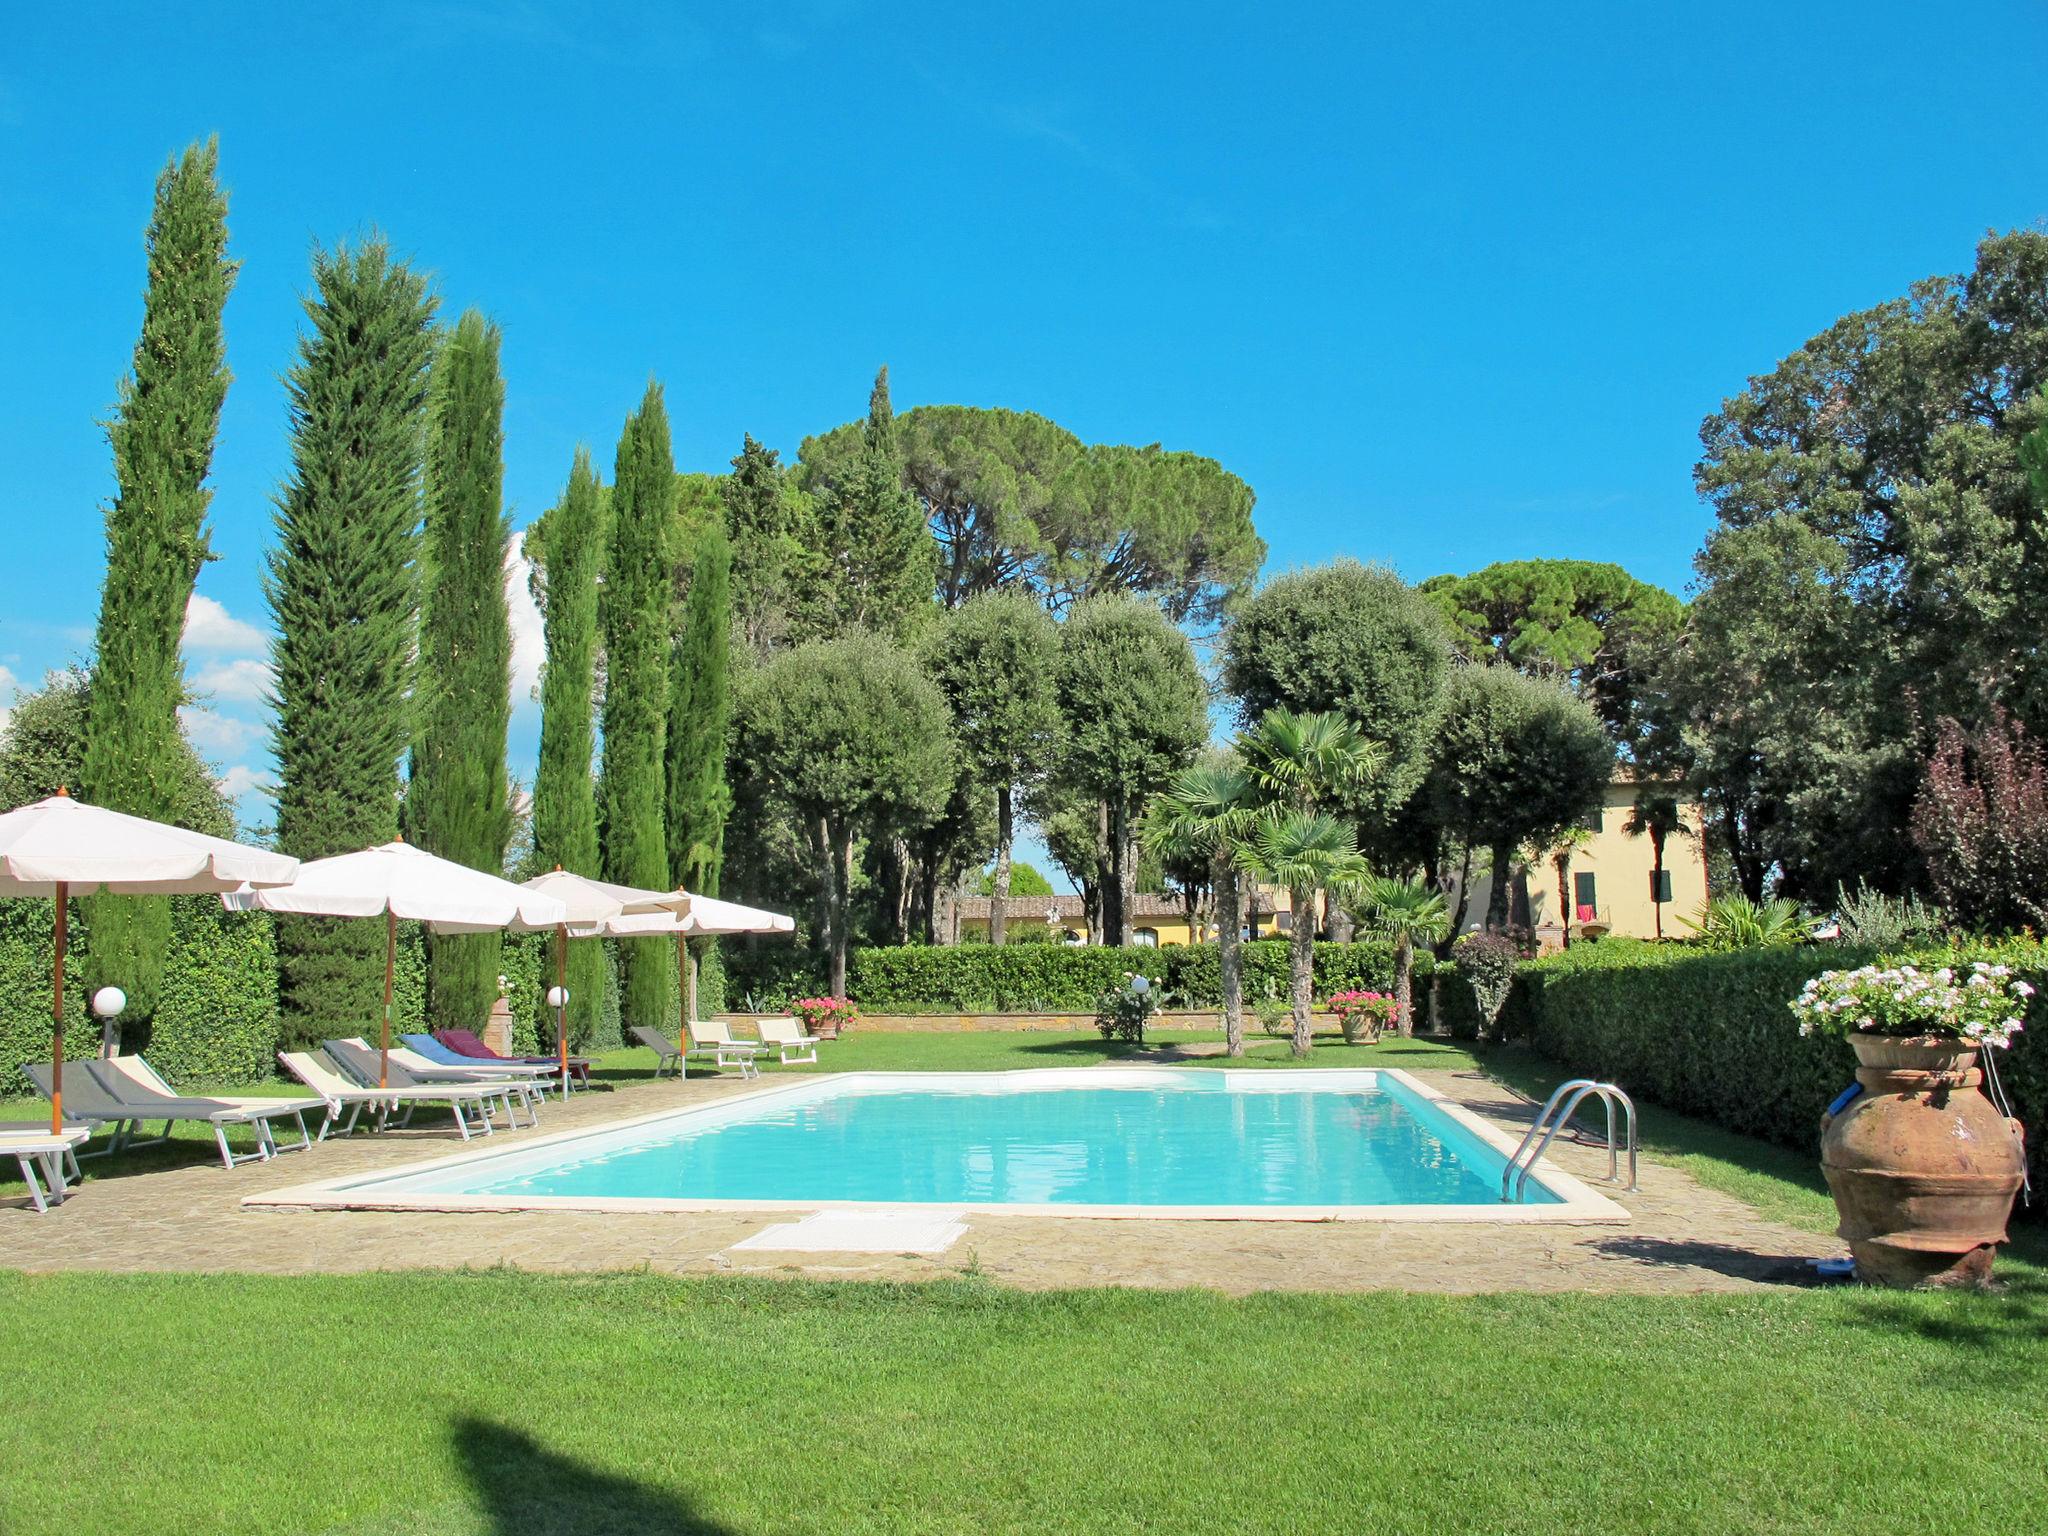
(666, 1052)
(92, 1092)
(713, 1038)
(464, 1042)
(340, 1092)
(358, 1058)
(432, 1054)
(152, 1083)
(32, 1147)
(786, 1035)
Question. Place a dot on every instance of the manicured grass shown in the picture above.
(501, 1402)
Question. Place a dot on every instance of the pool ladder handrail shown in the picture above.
(1514, 1178)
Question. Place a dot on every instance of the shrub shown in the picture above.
(216, 1021)
(1121, 1011)
(1487, 962)
(1876, 921)
(1736, 922)
(1982, 824)
(1274, 1017)
(1710, 1034)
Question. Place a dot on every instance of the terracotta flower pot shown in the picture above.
(1922, 1166)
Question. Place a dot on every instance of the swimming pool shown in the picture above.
(1078, 1141)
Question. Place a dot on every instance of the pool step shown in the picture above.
(861, 1231)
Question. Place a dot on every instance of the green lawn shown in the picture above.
(502, 1402)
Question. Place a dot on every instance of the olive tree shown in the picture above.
(995, 659)
(1135, 712)
(853, 739)
(1357, 640)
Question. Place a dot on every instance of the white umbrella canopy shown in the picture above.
(691, 915)
(87, 848)
(589, 902)
(58, 848)
(396, 880)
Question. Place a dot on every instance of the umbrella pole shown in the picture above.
(562, 1008)
(57, 1017)
(390, 964)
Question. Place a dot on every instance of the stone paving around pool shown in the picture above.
(1680, 1237)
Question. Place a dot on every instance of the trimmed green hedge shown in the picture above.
(1057, 978)
(1711, 1034)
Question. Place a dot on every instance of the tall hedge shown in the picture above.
(1711, 1034)
(1049, 978)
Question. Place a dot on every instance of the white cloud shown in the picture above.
(242, 779)
(529, 645)
(9, 686)
(246, 680)
(210, 627)
(219, 735)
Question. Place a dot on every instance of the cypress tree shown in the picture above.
(564, 793)
(699, 710)
(635, 608)
(456, 802)
(881, 559)
(344, 592)
(162, 435)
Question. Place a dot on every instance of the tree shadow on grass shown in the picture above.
(528, 1490)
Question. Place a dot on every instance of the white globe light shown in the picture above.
(558, 997)
(109, 1001)
(1141, 984)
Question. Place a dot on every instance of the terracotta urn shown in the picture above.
(1922, 1166)
(498, 1027)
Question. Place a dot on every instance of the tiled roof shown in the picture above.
(1067, 907)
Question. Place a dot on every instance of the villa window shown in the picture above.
(1585, 896)
(1145, 938)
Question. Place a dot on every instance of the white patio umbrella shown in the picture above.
(59, 848)
(396, 880)
(693, 915)
(588, 902)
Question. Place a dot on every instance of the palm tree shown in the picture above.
(1656, 814)
(1559, 850)
(1308, 852)
(1408, 912)
(1306, 761)
(1207, 813)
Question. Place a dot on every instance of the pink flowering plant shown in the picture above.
(829, 1015)
(1981, 1002)
(1362, 1015)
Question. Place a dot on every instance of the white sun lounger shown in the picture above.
(786, 1035)
(151, 1083)
(32, 1147)
(712, 1037)
(408, 1069)
(320, 1074)
(93, 1092)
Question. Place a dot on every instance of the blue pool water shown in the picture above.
(1179, 1138)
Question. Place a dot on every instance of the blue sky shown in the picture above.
(1447, 284)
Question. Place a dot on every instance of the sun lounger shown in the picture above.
(93, 1092)
(152, 1084)
(325, 1078)
(666, 1051)
(711, 1037)
(465, 1042)
(32, 1147)
(434, 1054)
(359, 1059)
(787, 1036)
